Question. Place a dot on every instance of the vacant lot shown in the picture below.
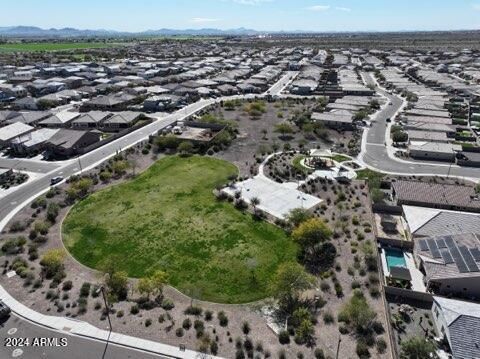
(52, 46)
(169, 219)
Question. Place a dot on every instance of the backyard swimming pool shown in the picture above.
(395, 258)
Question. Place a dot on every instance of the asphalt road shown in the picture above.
(376, 152)
(27, 165)
(16, 328)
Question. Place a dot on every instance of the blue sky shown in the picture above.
(325, 15)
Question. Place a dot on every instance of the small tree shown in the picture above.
(159, 279)
(417, 348)
(284, 129)
(357, 313)
(297, 216)
(311, 232)
(145, 287)
(185, 148)
(52, 262)
(117, 284)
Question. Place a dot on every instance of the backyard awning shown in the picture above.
(400, 273)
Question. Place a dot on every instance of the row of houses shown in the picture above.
(433, 232)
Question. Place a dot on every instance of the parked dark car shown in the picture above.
(4, 310)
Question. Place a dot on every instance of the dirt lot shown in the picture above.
(257, 136)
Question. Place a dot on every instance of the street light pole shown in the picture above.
(102, 289)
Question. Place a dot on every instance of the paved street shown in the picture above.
(77, 347)
(27, 165)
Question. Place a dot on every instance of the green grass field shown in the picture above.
(52, 46)
(168, 219)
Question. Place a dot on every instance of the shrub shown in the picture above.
(284, 337)
(338, 290)
(179, 332)
(148, 322)
(208, 315)
(355, 284)
(41, 227)
(324, 286)
(328, 317)
(362, 350)
(198, 325)
(17, 226)
(134, 309)
(52, 262)
(187, 323)
(222, 318)
(245, 328)
(193, 310)
(67, 285)
(52, 212)
(214, 348)
(98, 305)
(120, 314)
(85, 290)
(381, 345)
(167, 304)
(318, 353)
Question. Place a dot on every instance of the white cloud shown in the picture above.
(202, 20)
(340, 8)
(318, 8)
(251, 2)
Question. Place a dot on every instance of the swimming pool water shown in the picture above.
(395, 258)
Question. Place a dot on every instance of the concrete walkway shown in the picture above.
(71, 326)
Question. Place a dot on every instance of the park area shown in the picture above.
(169, 219)
(51, 46)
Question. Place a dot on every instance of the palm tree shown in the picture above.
(254, 201)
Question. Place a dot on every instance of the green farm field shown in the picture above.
(169, 219)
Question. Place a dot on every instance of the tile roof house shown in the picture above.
(13, 130)
(121, 120)
(33, 142)
(67, 143)
(429, 222)
(459, 323)
(436, 195)
(451, 264)
(60, 119)
(91, 119)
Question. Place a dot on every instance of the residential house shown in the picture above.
(60, 119)
(93, 119)
(9, 132)
(450, 264)
(121, 120)
(32, 143)
(436, 195)
(67, 142)
(458, 322)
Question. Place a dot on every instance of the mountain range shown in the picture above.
(32, 31)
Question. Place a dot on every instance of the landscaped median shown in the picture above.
(169, 219)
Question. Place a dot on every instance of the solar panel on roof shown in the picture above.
(432, 245)
(441, 243)
(449, 241)
(423, 245)
(475, 254)
(447, 257)
(469, 261)
(458, 259)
